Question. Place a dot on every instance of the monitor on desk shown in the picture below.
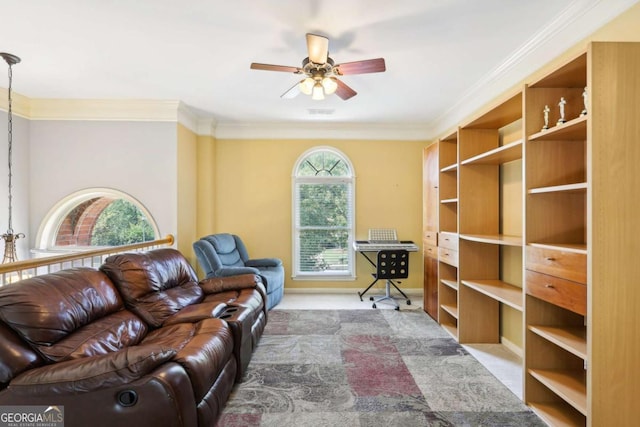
(383, 235)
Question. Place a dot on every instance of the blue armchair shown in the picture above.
(222, 255)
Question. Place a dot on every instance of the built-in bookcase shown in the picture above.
(541, 217)
(448, 234)
(490, 172)
(556, 260)
(430, 208)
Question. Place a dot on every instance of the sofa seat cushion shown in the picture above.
(103, 336)
(92, 373)
(155, 284)
(203, 349)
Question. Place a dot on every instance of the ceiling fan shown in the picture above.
(321, 71)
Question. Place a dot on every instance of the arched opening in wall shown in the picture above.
(95, 218)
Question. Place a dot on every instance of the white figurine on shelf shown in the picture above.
(561, 104)
(546, 117)
(584, 98)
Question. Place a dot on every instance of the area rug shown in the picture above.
(367, 368)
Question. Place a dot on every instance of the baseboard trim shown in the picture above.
(328, 291)
(512, 347)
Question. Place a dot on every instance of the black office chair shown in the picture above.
(391, 264)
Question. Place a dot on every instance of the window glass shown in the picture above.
(324, 213)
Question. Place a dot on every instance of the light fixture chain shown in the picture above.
(10, 154)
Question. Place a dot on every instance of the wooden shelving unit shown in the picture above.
(547, 235)
(491, 148)
(430, 200)
(448, 234)
(583, 174)
(556, 186)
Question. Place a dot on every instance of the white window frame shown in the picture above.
(45, 242)
(328, 275)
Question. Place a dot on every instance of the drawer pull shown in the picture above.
(549, 285)
(550, 258)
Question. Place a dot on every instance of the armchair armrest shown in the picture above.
(93, 373)
(264, 262)
(234, 271)
(232, 283)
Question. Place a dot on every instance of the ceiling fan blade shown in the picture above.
(318, 48)
(360, 67)
(270, 67)
(344, 91)
(292, 92)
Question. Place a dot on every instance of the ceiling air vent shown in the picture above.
(321, 111)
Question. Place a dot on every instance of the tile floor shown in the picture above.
(498, 359)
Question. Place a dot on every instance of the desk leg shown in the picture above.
(361, 294)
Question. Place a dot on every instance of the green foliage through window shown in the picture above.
(121, 223)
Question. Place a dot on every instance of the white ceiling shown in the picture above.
(444, 58)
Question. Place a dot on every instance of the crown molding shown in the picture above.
(307, 130)
(108, 110)
(20, 104)
(104, 109)
(206, 126)
(177, 111)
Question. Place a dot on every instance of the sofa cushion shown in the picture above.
(155, 284)
(94, 373)
(109, 334)
(16, 356)
(45, 309)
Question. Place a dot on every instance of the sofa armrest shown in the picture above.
(197, 312)
(235, 271)
(215, 285)
(93, 373)
(264, 262)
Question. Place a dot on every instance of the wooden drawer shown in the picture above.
(567, 265)
(448, 240)
(560, 292)
(431, 238)
(430, 250)
(449, 256)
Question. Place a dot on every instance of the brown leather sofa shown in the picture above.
(138, 342)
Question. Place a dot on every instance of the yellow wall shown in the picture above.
(187, 191)
(253, 196)
(206, 185)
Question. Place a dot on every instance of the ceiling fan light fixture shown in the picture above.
(318, 92)
(306, 85)
(329, 84)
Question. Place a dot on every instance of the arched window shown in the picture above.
(324, 215)
(95, 217)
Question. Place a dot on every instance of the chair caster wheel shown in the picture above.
(374, 306)
(397, 308)
(371, 299)
(408, 302)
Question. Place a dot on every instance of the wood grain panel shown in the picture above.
(563, 293)
(566, 265)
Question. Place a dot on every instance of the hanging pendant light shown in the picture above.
(10, 237)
